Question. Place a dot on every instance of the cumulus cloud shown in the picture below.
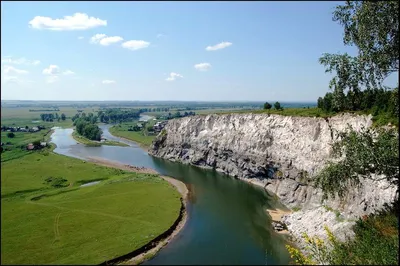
(173, 76)
(78, 21)
(19, 61)
(135, 44)
(12, 70)
(68, 72)
(202, 66)
(102, 39)
(51, 70)
(219, 46)
(107, 81)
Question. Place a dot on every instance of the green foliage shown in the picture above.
(56, 182)
(366, 152)
(10, 135)
(277, 106)
(376, 242)
(63, 117)
(296, 208)
(373, 28)
(87, 129)
(382, 104)
(267, 106)
(118, 115)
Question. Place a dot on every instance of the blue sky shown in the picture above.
(257, 51)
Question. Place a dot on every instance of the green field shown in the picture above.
(121, 130)
(79, 225)
(21, 116)
(16, 147)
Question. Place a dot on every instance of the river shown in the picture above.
(227, 223)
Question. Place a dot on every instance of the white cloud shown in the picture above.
(78, 21)
(160, 35)
(202, 66)
(135, 45)
(109, 40)
(19, 61)
(68, 72)
(81, 38)
(96, 38)
(173, 76)
(219, 46)
(107, 81)
(102, 39)
(51, 70)
(10, 69)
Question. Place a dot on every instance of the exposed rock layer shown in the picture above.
(281, 153)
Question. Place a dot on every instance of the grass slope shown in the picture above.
(136, 136)
(79, 225)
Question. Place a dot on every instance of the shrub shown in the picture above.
(10, 135)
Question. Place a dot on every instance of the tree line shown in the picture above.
(50, 117)
(375, 101)
(117, 115)
(178, 114)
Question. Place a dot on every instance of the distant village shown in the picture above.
(22, 129)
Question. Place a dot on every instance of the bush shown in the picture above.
(376, 242)
(56, 182)
(10, 135)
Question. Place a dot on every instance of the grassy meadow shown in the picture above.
(140, 137)
(16, 147)
(47, 218)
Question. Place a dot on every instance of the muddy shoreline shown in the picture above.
(151, 248)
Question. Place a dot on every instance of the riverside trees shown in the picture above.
(373, 27)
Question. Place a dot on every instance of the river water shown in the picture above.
(227, 223)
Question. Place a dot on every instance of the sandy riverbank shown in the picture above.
(276, 216)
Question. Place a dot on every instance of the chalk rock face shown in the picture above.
(281, 153)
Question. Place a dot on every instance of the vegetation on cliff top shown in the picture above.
(373, 28)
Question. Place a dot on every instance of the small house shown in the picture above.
(43, 144)
(35, 129)
(30, 147)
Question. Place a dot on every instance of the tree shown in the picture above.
(373, 27)
(366, 152)
(267, 106)
(10, 135)
(36, 143)
(277, 106)
(63, 117)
